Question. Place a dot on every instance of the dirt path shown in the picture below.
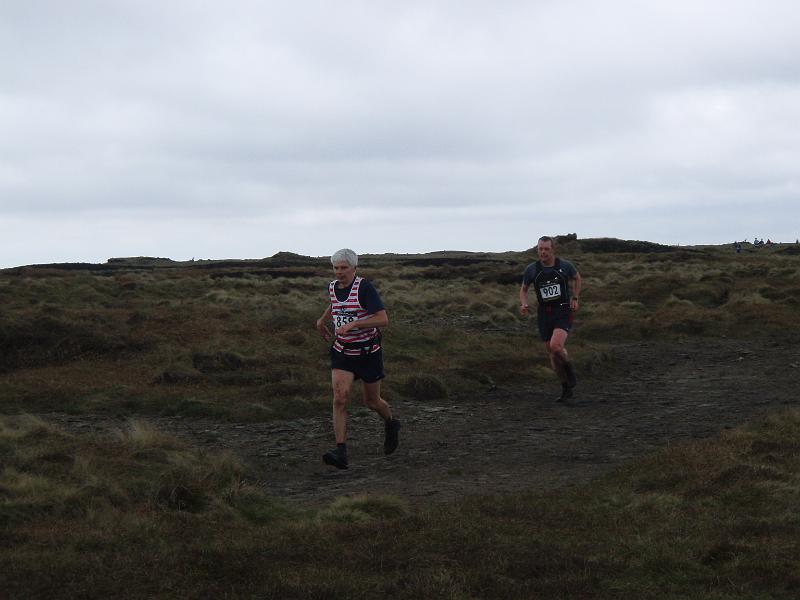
(514, 439)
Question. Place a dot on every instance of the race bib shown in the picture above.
(341, 319)
(550, 292)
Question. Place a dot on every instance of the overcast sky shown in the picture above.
(237, 129)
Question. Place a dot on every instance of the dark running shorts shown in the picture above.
(559, 318)
(368, 367)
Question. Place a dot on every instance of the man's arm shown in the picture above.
(575, 293)
(322, 323)
(523, 299)
(379, 319)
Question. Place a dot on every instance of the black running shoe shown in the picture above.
(335, 458)
(392, 436)
(566, 393)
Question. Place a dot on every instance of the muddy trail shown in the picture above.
(653, 394)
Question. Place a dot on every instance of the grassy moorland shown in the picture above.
(143, 514)
(236, 340)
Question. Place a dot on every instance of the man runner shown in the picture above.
(558, 286)
(357, 312)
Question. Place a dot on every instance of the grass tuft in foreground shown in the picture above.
(143, 515)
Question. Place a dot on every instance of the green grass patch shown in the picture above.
(143, 514)
(237, 341)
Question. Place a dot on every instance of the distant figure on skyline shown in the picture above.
(558, 285)
(357, 312)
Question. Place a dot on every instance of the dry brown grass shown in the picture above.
(142, 516)
(238, 341)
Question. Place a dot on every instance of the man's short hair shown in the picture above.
(345, 255)
(547, 238)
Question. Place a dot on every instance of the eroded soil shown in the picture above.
(511, 439)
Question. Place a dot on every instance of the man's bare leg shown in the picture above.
(559, 360)
(374, 401)
(341, 381)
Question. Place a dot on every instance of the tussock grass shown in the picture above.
(748, 298)
(362, 509)
(634, 305)
(143, 514)
(424, 387)
(46, 469)
(713, 518)
(237, 341)
(142, 435)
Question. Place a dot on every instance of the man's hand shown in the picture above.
(346, 327)
(322, 327)
(523, 300)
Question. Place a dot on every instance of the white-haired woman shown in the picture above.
(357, 312)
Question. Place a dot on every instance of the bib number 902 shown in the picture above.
(551, 292)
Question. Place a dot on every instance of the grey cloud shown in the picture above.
(249, 111)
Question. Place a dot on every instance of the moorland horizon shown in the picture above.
(604, 243)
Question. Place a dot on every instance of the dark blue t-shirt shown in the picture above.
(566, 268)
(555, 288)
(368, 296)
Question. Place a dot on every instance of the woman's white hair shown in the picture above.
(345, 255)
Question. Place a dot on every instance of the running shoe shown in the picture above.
(566, 393)
(392, 436)
(335, 458)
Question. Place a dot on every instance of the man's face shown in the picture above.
(344, 272)
(545, 250)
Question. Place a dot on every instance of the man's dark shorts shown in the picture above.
(558, 317)
(367, 367)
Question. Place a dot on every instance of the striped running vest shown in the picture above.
(354, 341)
